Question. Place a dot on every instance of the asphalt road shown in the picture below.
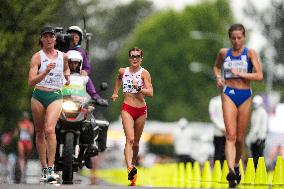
(48, 186)
(80, 182)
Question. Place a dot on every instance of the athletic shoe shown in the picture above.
(51, 175)
(132, 184)
(238, 174)
(232, 179)
(132, 174)
(43, 174)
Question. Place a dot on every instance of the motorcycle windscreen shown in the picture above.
(76, 90)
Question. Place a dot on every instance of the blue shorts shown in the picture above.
(238, 96)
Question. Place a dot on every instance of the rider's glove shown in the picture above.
(101, 101)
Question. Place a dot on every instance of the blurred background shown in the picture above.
(180, 40)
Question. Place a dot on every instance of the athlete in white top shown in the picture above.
(46, 72)
(129, 80)
(137, 84)
(54, 79)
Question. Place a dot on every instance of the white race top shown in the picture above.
(129, 77)
(54, 79)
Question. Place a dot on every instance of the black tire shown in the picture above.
(67, 173)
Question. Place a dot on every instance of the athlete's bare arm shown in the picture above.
(66, 70)
(117, 84)
(257, 75)
(147, 90)
(34, 77)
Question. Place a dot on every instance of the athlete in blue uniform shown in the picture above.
(240, 66)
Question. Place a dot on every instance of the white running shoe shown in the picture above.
(43, 175)
(51, 175)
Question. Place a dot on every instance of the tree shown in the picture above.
(168, 51)
(20, 23)
(270, 21)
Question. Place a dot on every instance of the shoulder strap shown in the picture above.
(229, 52)
(245, 51)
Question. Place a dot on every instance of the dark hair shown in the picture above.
(39, 42)
(135, 49)
(235, 27)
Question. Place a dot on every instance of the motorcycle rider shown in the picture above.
(77, 34)
(75, 65)
(75, 61)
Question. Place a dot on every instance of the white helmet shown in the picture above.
(257, 100)
(75, 56)
(76, 29)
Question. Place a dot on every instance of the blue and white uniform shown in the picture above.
(243, 64)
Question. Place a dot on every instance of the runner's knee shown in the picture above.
(240, 140)
(40, 136)
(130, 141)
(49, 130)
(231, 137)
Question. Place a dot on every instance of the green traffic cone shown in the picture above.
(225, 171)
(196, 176)
(261, 173)
(206, 177)
(241, 167)
(250, 173)
(217, 174)
(188, 175)
(278, 172)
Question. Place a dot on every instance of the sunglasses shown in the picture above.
(135, 56)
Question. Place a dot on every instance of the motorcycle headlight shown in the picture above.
(70, 106)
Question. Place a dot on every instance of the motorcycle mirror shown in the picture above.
(104, 86)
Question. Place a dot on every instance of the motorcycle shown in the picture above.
(79, 135)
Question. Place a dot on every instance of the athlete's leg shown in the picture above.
(27, 150)
(21, 156)
(128, 124)
(38, 112)
(52, 114)
(230, 112)
(244, 111)
(138, 130)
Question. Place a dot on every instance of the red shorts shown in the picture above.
(27, 144)
(133, 111)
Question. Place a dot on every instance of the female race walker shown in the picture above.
(136, 82)
(240, 66)
(48, 67)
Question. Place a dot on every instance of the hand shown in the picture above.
(114, 97)
(235, 71)
(50, 66)
(134, 84)
(67, 79)
(102, 102)
(67, 82)
(84, 73)
(219, 82)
